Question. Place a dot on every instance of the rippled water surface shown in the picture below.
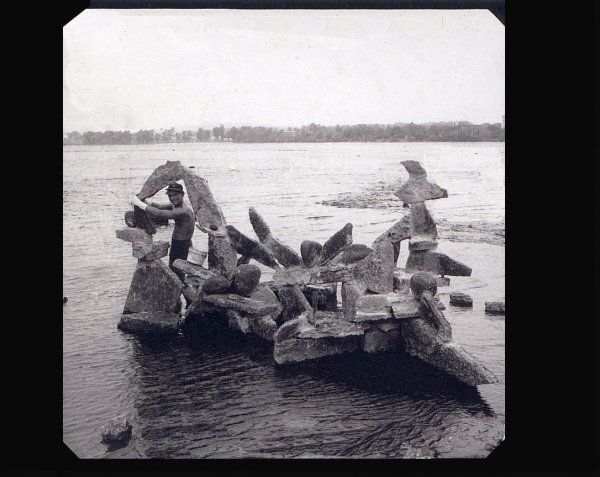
(224, 397)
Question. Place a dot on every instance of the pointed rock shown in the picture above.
(170, 172)
(355, 253)
(336, 244)
(376, 271)
(249, 248)
(428, 309)
(417, 188)
(222, 258)
(423, 229)
(154, 287)
(310, 252)
(436, 263)
(293, 301)
(203, 203)
(395, 234)
(283, 254)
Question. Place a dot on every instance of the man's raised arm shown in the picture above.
(154, 210)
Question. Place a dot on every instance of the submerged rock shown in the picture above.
(494, 307)
(461, 299)
(117, 433)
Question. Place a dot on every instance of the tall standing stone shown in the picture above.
(205, 207)
(222, 258)
(249, 248)
(282, 253)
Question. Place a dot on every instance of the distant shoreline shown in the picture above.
(290, 142)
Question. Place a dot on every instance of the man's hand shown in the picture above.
(138, 203)
(148, 201)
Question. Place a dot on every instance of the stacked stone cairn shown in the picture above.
(382, 307)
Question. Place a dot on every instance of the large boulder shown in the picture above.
(154, 287)
(246, 279)
(203, 203)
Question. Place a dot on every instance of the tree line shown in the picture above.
(460, 131)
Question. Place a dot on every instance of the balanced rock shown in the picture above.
(150, 251)
(203, 203)
(376, 270)
(336, 244)
(283, 254)
(310, 252)
(351, 292)
(142, 220)
(134, 235)
(420, 282)
(423, 229)
(154, 287)
(293, 301)
(249, 248)
(130, 218)
(216, 284)
(461, 299)
(437, 263)
(172, 171)
(222, 258)
(495, 307)
(246, 280)
(355, 253)
(417, 188)
(150, 322)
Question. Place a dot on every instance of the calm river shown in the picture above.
(227, 399)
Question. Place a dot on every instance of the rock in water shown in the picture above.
(117, 433)
(246, 280)
(423, 229)
(203, 203)
(283, 254)
(154, 287)
(461, 299)
(134, 235)
(153, 322)
(494, 307)
(417, 188)
(150, 251)
(310, 252)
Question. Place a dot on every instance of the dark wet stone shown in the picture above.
(246, 280)
(495, 307)
(417, 188)
(117, 433)
(310, 252)
(203, 203)
(293, 301)
(134, 235)
(321, 297)
(262, 326)
(420, 282)
(142, 221)
(378, 341)
(436, 263)
(154, 287)
(376, 270)
(152, 322)
(130, 218)
(355, 253)
(249, 248)
(461, 299)
(429, 310)
(336, 244)
(150, 251)
(65, 299)
(216, 284)
(292, 327)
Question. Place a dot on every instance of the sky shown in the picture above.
(152, 69)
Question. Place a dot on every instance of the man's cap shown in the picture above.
(175, 187)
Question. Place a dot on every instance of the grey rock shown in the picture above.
(428, 309)
(351, 291)
(262, 326)
(250, 248)
(282, 253)
(117, 433)
(142, 221)
(377, 341)
(376, 270)
(150, 251)
(161, 177)
(154, 287)
(293, 301)
(420, 282)
(423, 230)
(291, 276)
(336, 244)
(292, 327)
(216, 284)
(494, 307)
(193, 269)
(246, 280)
(153, 322)
(355, 253)
(134, 235)
(222, 258)
(310, 252)
(240, 303)
(417, 188)
(395, 234)
(322, 297)
(436, 263)
(461, 299)
(331, 274)
(130, 218)
(203, 203)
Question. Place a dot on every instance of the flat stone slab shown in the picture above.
(495, 307)
(461, 299)
(132, 234)
(240, 303)
(150, 251)
(331, 325)
(402, 280)
(153, 322)
(192, 269)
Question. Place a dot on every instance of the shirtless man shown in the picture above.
(181, 214)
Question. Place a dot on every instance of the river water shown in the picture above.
(224, 397)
